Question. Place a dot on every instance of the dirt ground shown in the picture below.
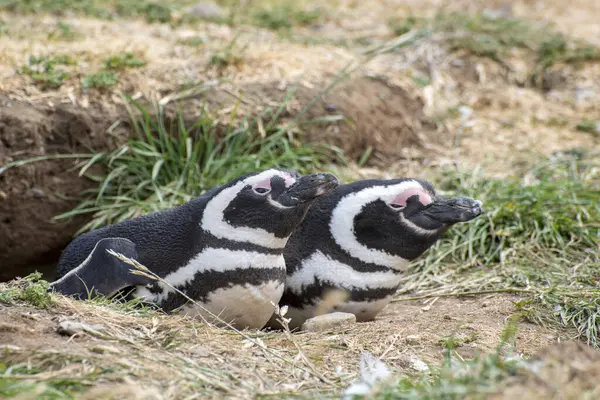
(407, 337)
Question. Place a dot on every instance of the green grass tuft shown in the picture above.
(30, 289)
(152, 11)
(589, 126)
(63, 31)
(168, 162)
(284, 15)
(538, 236)
(230, 55)
(49, 72)
(100, 80)
(123, 61)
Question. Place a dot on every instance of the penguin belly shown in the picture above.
(240, 287)
(243, 306)
(367, 293)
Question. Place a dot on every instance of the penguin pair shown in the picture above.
(229, 249)
(223, 249)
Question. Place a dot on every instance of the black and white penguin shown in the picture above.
(223, 249)
(358, 240)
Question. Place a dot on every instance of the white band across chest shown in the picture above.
(325, 269)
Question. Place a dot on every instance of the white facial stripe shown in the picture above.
(417, 229)
(214, 222)
(342, 223)
(319, 266)
(211, 259)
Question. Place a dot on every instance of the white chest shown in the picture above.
(247, 304)
(244, 306)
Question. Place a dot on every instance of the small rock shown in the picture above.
(105, 349)
(207, 10)
(70, 328)
(199, 351)
(328, 321)
(583, 94)
(413, 339)
(9, 347)
(504, 11)
(417, 364)
(38, 193)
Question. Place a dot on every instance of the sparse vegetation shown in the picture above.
(100, 80)
(523, 242)
(49, 72)
(496, 38)
(230, 55)
(123, 61)
(151, 10)
(168, 163)
(283, 15)
(63, 31)
(457, 378)
(31, 290)
(589, 126)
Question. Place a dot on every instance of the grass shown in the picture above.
(456, 378)
(168, 162)
(230, 55)
(589, 126)
(100, 80)
(31, 290)
(152, 11)
(49, 72)
(284, 15)
(123, 61)
(497, 38)
(63, 31)
(109, 76)
(539, 237)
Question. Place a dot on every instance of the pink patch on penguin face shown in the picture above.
(289, 180)
(263, 187)
(400, 200)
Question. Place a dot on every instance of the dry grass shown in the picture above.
(483, 115)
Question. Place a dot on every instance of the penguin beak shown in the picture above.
(308, 188)
(457, 209)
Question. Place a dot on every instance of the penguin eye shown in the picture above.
(396, 206)
(261, 190)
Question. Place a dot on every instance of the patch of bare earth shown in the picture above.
(172, 356)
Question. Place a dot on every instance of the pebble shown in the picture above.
(328, 321)
(70, 328)
(413, 339)
(207, 10)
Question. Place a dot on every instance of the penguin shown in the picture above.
(355, 243)
(223, 249)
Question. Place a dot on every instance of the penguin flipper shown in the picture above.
(102, 273)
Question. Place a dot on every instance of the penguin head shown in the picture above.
(399, 217)
(265, 207)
